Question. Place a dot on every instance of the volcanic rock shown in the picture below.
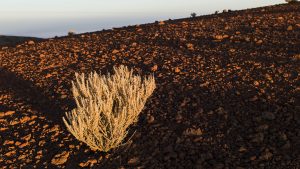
(60, 158)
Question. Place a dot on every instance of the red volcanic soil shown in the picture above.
(227, 93)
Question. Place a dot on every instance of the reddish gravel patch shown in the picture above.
(227, 93)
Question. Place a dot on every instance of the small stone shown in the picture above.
(9, 154)
(18, 143)
(283, 136)
(88, 163)
(268, 116)
(48, 75)
(42, 142)
(150, 119)
(254, 98)
(23, 145)
(60, 158)
(218, 37)
(178, 118)
(225, 36)
(14, 122)
(190, 46)
(24, 119)
(8, 142)
(256, 83)
(115, 51)
(220, 111)
(184, 23)
(38, 156)
(63, 96)
(27, 137)
(242, 149)
(259, 42)
(83, 164)
(253, 158)
(177, 70)
(8, 113)
(290, 28)
(134, 44)
(232, 50)
(133, 161)
(192, 132)
(71, 146)
(280, 18)
(3, 129)
(2, 114)
(22, 157)
(154, 68)
(204, 84)
(31, 42)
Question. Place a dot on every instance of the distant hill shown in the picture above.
(15, 40)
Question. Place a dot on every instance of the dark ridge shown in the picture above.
(11, 41)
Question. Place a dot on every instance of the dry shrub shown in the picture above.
(106, 106)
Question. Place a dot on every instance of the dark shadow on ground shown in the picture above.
(25, 91)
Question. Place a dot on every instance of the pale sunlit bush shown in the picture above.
(106, 106)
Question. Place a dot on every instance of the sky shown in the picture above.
(41, 18)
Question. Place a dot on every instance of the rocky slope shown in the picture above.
(227, 93)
